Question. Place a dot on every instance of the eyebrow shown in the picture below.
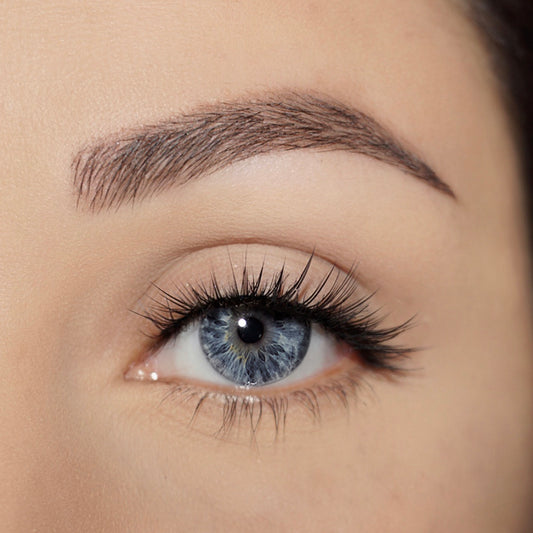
(133, 166)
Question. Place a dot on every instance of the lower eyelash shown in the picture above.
(251, 411)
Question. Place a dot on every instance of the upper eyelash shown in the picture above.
(351, 322)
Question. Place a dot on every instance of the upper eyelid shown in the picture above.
(322, 300)
(151, 159)
(236, 249)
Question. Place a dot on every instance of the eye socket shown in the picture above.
(244, 347)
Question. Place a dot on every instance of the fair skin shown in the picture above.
(445, 446)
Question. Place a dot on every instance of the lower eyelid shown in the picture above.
(267, 413)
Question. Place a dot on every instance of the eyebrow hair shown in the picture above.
(138, 164)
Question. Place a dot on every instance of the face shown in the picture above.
(262, 266)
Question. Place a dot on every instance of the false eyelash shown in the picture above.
(349, 321)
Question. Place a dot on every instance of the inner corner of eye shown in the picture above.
(144, 370)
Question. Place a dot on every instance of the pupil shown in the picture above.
(250, 329)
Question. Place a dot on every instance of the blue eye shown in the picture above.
(259, 332)
(252, 347)
(242, 347)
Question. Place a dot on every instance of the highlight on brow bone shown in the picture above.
(151, 159)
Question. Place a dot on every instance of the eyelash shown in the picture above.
(347, 321)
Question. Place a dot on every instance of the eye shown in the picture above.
(245, 347)
(264, 329)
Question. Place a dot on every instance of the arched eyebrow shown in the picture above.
(131, 167)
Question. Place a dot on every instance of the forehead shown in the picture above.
(154, 55)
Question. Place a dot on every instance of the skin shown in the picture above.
(446, 447)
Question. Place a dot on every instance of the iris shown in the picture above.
(253, 347)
